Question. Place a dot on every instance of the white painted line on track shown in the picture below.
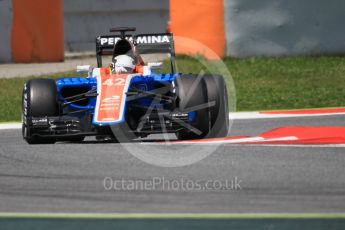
(245, 140)
(289, 138)
(250, 144)
(258, 115)
(16, 125)
(296, 145)
(233, 141)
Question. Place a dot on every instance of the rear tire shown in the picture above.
(39, 99)
(194, 90)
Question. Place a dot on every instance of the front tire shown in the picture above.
(39, 99)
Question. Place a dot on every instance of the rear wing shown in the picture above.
(143, 43)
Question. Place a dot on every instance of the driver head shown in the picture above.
(123, 64)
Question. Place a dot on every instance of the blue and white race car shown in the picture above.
(126, 99)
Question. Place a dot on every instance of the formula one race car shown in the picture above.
(126, 99)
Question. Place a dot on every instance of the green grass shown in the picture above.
(283, 83)
(289, 83)
(11, 96)
(259, 83)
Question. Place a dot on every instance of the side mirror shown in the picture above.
(155, 65)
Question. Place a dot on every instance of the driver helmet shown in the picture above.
(123, 64)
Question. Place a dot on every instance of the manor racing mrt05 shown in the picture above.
(121, 103)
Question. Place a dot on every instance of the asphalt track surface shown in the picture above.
(68, 177)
